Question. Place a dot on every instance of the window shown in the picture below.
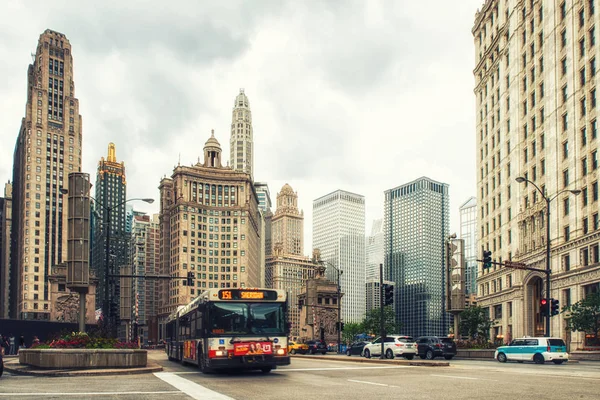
(564, 94)
(563, 38)
(582, 47)
(566, 206)
(593, 66)
(595, 191)
(595, 159)
(584, 169)
(592, 34)
(566, 262)
(565, 121)
(565, 149)
(567, 233)
(564, 66)
(563, 11)
(582, 76)
(565, 178)
(581, 18)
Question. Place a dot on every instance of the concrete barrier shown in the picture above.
(584, 355)
(476, 354)
(83, 358)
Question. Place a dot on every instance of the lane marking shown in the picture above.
(315, 369)
(190, 388)
(371, 383)
(88, 394)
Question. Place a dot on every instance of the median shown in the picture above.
(394, 361)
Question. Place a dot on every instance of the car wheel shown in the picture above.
(557, 362)
(448, 357)
(409, 356)
(538, 359)
(422, 356)
(293, 351)
(367, 354)
(323, 352)
(266, 370)
(348, 353)
(389, 354)
(502, 357)
(429, 355)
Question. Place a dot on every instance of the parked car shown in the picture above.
(538, 350)
(294, 348)
(316, 346)
(393, 346)
(430, 347)
(356, 348)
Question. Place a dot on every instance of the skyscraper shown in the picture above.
(416, 227)
(374, 250)
(48, 148)
(241, 140)
(537, 118)
(210, 226)
(286, 266)
(111, 188)
(264, 196)
(339, 234)
(5, 235)
(468, 232)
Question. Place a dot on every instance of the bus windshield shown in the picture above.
(247, 318)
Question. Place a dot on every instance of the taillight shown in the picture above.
(548, 349)
(439, 345)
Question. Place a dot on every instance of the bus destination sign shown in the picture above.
(245, 294)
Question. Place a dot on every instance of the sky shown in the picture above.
(362, 96)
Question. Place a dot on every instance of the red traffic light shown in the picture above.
(543, 302)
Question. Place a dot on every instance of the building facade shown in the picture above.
(468, 233)
(264, 196)
(110, 197)
(241, 140)
(209, 225)
(373, 290)
(287, 224)
(5, 238)
(374, 250)
(416, 227)
(339, 234)
(535, 87)
(48, 148)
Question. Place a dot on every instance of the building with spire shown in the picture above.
(210, 226)
(241, 140)
(286, 266)
(47, 149)
(110, 194)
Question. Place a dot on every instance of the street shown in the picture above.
(316, 378)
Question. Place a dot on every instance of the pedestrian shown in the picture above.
(11, 341)
(22, 342)
(4, 345)
(35, 340)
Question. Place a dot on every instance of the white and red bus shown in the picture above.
(231, 329)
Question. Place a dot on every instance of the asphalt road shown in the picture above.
(324, 379)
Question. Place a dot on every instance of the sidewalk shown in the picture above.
(358, 359)
(11, 364)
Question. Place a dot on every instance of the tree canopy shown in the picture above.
(584, 316)
(475, 323)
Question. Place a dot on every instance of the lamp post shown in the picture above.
(339, 305)
(548, 271)
(105, 305)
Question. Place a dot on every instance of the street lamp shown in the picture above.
(339, 304)
(105, 305)
(548, 271)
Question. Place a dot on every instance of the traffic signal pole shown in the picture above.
(381, 294)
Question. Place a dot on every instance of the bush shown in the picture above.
(81, 340)
(475, 344)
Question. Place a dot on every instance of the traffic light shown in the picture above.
(190, 278)
(544, 307)
(339, 326)
(487, 259)
(388, 294)
(554, 307)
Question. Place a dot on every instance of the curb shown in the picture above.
(376, 361)
(19, 369)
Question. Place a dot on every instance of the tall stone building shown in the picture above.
(339, 234)
(416, 225)
(48, 148)
(536, 108)
(111, 190)
(5, 237)
(286, 267)
(210, 225)
(241, 140)
(468, 232)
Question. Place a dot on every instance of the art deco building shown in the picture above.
(468, 232)
(416, 225)
(374, 250)
(5, 228)
(241, 142)
(210, 226)
(111, 190)
(339, 233)
(48, 148)
(536, 108)
(286, 267)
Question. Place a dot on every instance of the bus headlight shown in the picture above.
(280, 352)
(219, 353)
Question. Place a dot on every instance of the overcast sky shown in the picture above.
(356, 95)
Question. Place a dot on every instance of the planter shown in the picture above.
(584, 355)
(83, 358)
(475, 353)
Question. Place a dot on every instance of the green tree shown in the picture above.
(584, 316)
(351, 330)
(372, 321)
(475, 323)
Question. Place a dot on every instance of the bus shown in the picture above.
(241, 328)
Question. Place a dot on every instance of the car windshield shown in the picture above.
(405, 339)
(253, 318)
(556, 342)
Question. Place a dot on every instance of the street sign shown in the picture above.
(514, 264)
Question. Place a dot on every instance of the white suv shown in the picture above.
(393, 346)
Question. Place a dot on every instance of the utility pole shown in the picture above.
(381, 324)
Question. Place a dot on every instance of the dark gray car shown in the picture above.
(430, 347)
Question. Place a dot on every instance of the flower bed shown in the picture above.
(81, 340)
